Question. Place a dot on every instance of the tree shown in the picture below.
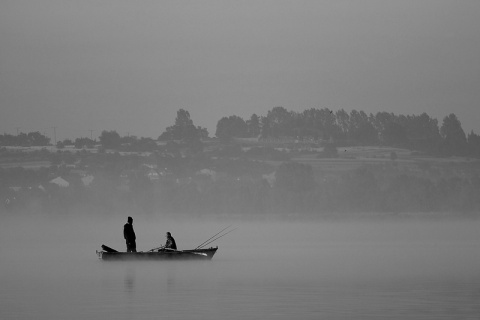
(343, 121)
(423, 132)
(395, 135)
(84, 143)
(67, 142)
(202, 132)
(474, 144)
(183, 129)
(361, 129)
(280, 122)
(110, 139)
(454, 139)
(25, 140)
(266, 127)
(308, 124)
(253, 126)
(38, 139)
(231, 127)
(330, 129)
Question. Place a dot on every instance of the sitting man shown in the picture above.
(170, 244)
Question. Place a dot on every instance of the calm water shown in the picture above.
(263, 270)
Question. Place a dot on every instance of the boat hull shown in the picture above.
(199, 254)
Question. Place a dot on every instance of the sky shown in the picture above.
(71, 69)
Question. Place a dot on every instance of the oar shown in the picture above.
(215, 239)
(203, 243)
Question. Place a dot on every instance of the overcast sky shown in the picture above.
(130, 65)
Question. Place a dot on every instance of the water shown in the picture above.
(263, 270)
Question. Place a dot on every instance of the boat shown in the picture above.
(162, 253)
(165, 254)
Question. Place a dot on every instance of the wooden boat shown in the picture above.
(199, 253)
(166, 254)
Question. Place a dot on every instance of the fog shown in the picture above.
(49, 267)
(129, 66)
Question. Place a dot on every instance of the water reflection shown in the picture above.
(129, 280)
(171, 275)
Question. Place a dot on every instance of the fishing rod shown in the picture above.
(203, 243)
(162, 247)
(151, 250)
(200, 247)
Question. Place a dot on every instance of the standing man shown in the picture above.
(170, 244)
(129, 235)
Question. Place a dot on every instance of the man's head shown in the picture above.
(168, 235)
(130, 220)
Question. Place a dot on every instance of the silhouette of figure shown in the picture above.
(129, 235)
(170, 244)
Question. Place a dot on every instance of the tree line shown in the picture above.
(340, 128)
(24, 139)
(414, 132)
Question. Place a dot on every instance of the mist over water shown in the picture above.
(263, 270)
